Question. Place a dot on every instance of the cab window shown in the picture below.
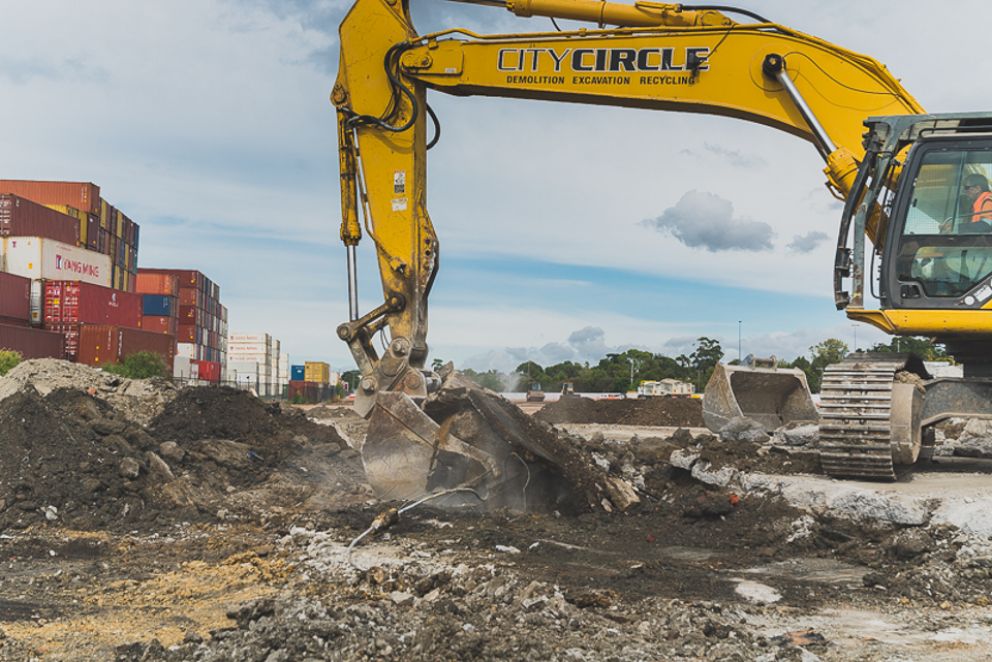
(946, 243)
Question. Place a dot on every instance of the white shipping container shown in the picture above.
(260, 338)
(37, 257)
(257, 348)
(186, 350)
(248, 357)
(181, 368)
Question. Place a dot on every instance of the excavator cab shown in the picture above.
(921, 196)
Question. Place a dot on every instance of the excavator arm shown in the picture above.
(646, 55)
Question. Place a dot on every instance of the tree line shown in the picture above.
(621, 372)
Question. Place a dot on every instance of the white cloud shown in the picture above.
(705, 220)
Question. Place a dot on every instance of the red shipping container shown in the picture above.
(103, 344)
(191, 315)
(153, 283)
(70, 335)
(31, 343)
(187, 296)
(20, 217)
(188, 278)
(15, 297)
(208, 371)
(187, 333)
(73, 302)
(80, 195)
(159, 324)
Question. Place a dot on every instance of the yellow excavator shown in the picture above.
(911, 183)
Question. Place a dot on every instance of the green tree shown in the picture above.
(828, 352)
(437, 364)
(8, 359)
(351, 378)
(925, 348)
(140, 365)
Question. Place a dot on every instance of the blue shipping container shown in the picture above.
(160, 305)
(297, 373)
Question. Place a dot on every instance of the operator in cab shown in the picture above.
(976, 190)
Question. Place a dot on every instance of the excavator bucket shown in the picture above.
(467, 437)
(771, 396)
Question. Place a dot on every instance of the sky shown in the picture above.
(567, 231)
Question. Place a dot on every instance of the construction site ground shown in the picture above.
(247, 557)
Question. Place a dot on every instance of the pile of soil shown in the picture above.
(665, 412)
(227, 413)
(70, 458)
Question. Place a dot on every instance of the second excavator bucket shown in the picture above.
(771, 396)
(468, 437)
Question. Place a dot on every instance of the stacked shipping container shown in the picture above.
(200, 319)
(68, 306)
(253, 359)
(95, 224)
(311, 382)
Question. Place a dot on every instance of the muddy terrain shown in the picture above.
(234, 538)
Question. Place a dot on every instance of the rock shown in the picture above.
(798, 435)
(129, 468)
(683, 459)
(171, 451)
(401, 598)
(158, 467)
(51, 513)
(708, 505)
(231, 454)
(910, 544)
(534, 604)
(741, 429)
(91, 485)
(507, 549)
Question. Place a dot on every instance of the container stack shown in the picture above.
(253, 361)
(310, 382)
(76, 216)
(72, 252)
(193, 300)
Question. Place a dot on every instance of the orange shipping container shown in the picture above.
(81, 195)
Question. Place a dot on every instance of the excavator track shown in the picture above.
(862, 405)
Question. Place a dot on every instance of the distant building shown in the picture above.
(663, 387)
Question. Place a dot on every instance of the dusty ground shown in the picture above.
(695, 572)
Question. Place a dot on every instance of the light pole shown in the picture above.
(740, 357)
(855, 327)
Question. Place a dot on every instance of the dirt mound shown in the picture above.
(227, 413)
(139, 400)
(667, 412)
(73, 459)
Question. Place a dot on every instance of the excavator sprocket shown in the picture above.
(871, 408)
